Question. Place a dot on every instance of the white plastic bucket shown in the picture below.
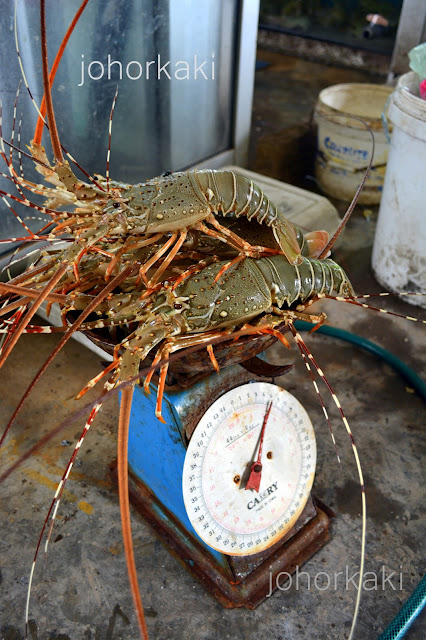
(344, 144)
(399, 251)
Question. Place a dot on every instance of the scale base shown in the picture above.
(250, 579)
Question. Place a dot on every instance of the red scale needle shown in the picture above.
(255, 476)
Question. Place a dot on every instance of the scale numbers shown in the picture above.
(217, 465)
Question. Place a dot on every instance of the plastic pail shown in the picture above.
(344, 144)
(399, 252)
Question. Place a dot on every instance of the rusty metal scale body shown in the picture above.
(171, 479)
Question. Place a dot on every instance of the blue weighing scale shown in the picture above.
(188, 476)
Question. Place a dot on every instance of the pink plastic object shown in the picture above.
(376, 18)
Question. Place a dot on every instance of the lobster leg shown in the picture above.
(227, 266)
(168, 260)
(164, 355)
(96, 379)
(31, 312)
(225, 234)
(212, 357)
(193, 270)
(143, 270)
(129, 247)
(148, 378)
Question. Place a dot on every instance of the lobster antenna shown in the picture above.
(12, 177)
(305, 352)
(41, 112)
(24, 77)
(64, 214)
(41, 121)
(31, 311)
(30, 293)
(54, 505)
(16, 259)
(123, 492)
(54, 136)
(324, 410)
(21, 168)
(12, 138)
(36, 328)
(47, 97)
(18, 54)
(123, 495)
(364, 305)
(13, 305)
(109, 137)
(352, 206)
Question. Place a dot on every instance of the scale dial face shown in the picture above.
(218, 462)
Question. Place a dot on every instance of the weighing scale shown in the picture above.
(237, 547)
(226, 480)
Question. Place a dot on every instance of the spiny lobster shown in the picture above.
(169, 282)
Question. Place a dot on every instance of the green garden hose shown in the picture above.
(406, 372)
(405, 616)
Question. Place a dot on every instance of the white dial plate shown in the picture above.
(220, 454)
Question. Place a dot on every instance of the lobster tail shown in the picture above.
(232, 193)
(291, 283)
(315, 241)
(285, 235)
